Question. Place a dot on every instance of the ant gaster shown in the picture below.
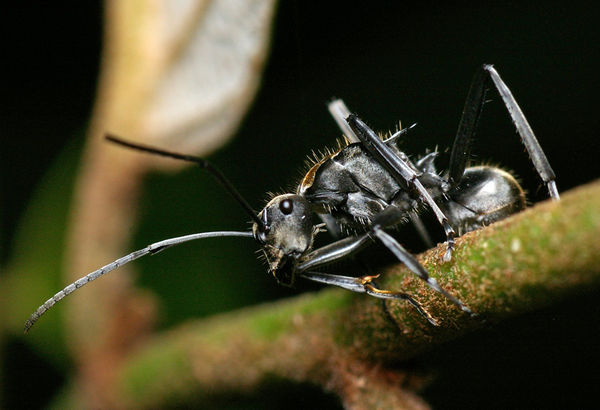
(362, 190)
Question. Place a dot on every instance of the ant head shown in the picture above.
(287, 230)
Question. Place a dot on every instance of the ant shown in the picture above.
(360, 191)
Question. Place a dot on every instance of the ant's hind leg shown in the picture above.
(472, 110)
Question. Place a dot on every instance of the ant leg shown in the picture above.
(333, 252)
(415, 219)
(468, 125)
(411, 263)
(340, 112)
(348, 246)
(364, 284)
(403, 171)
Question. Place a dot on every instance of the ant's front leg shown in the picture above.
(348, 246)
(364, 284)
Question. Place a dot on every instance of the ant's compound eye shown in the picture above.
(286, 206)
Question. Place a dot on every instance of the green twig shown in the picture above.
(346, 342)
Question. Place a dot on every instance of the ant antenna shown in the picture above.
(215, 172)
(150, 249)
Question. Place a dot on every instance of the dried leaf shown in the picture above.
(182, 74)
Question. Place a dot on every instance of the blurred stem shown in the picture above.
(347, 343)
(150, 47)
(102, 326)
(106, 191)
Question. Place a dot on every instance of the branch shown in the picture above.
(343, 342)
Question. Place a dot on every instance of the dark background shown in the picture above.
(411, 62)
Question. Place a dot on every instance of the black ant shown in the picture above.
(363, 189)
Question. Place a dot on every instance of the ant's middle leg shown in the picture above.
(404, 172)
